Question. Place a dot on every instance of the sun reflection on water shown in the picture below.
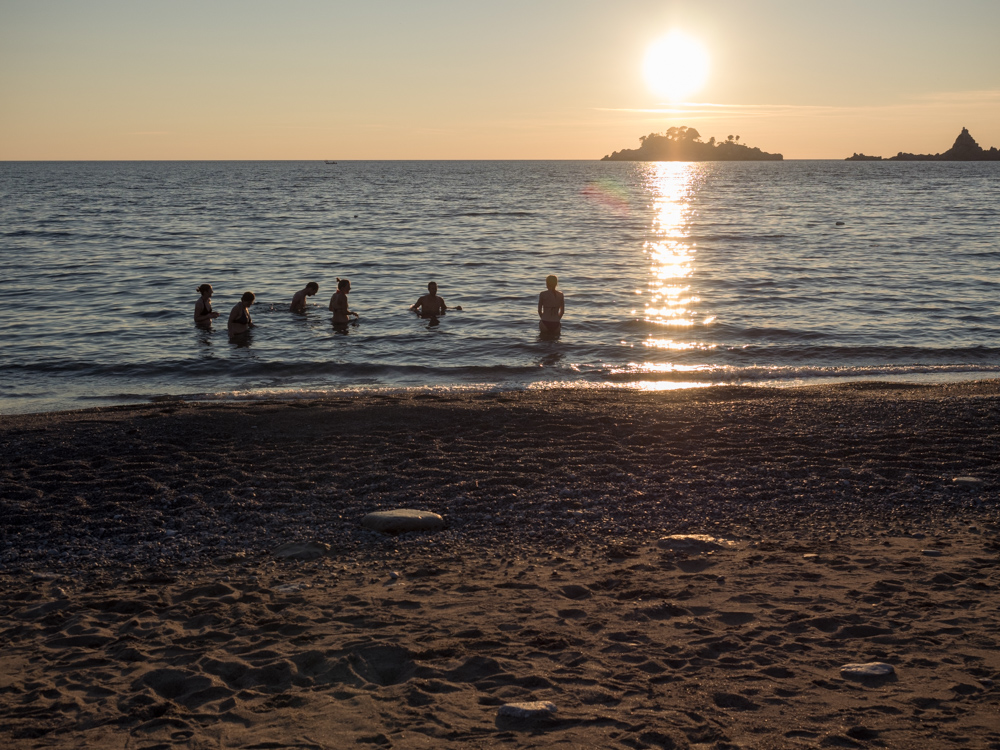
(672, 253)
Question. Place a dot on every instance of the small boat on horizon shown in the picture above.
(330, 162)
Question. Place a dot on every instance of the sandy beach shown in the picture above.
(142, 605)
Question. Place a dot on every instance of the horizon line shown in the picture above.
(588, 159)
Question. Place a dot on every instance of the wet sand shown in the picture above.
(141, 605)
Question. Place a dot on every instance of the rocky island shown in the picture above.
(964, 149)
(685, 144)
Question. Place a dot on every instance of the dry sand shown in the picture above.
(140, 605)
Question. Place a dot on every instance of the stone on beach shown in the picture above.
(529, 710)
(966, 481)
(402, 520)
(693, 543)
(229, 558)
(871, 669)
(301, 550)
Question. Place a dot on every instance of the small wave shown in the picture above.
(349, 391)
(474, 214)
(728, 237)
(764, 374)
(769, 377)
(263, 370)
(39, 233)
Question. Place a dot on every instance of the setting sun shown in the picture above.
(676, 66)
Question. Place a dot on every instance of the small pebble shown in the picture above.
(931, 552)
(529, 710)
(871, 669)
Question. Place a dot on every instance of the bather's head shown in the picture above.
(550, 283)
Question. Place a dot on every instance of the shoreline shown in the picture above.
(297, 394)
(141, 602)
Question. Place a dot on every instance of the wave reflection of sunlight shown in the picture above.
(671, 252)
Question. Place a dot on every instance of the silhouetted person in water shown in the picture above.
(338, 305)
(551, 307)
(299, 300)
(430, 305)
(203, 314)
(239, 319)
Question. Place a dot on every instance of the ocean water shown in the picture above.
(675, 275)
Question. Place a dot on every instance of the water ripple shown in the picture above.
(772, 272)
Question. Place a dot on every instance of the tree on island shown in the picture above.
(964, 149)
(685, 144)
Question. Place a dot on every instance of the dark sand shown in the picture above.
(140, 605)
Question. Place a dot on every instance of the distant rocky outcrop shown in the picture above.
(965, 149)
(685, 144)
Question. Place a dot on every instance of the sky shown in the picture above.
(464, 79)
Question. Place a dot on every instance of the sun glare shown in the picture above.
(676, 66)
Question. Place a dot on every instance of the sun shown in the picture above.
(676, 66)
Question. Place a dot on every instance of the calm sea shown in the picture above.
(675, 274)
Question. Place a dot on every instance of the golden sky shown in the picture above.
(463, 79)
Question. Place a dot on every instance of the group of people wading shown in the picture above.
(551, 307)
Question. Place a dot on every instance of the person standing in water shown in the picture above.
(239, 319)
(203, 314)
(551, 307)
(299, 300)
(430, 305)
(338, 304)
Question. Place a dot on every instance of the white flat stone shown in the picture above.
(301, 550)
(401, 520)
(693, 543)
(871, 669)
(291, 588)
(530, 710)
